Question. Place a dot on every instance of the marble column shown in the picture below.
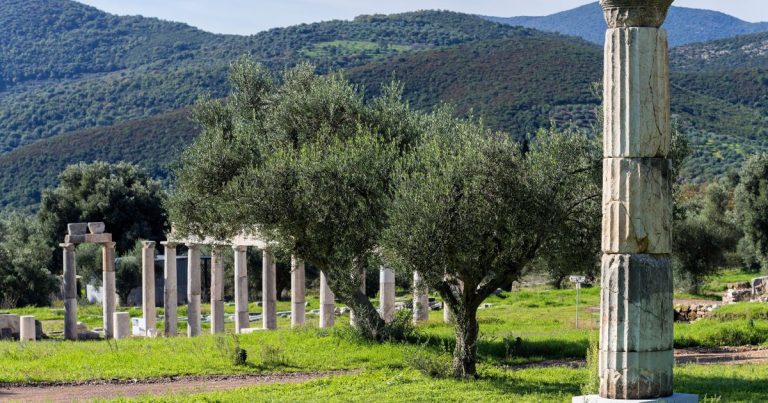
(108, 281)
(298, 292)
(170, 291)
(193, 290)
(148, 287)
(387, 294)
(268, 290)
(27, 331)
(69, 292)
(241, 288)
(636, 341)
(327, 303)
(420, 299)
(217, 290)
(122, 325)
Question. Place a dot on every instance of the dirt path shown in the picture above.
(704, 356)
(151, 387)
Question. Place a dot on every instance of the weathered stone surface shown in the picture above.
(217, 290)
(676, 398)
(420, 299)
(327, 303)
(636, 112)
(637, 205)
(637, 317)
(69, 291)
(635, 13)
(759, 286)
(298, 292)
(122, 325)
(269, 290)
(193, 290)
(109, 300)
(12, 323)
(88, 238)
(242, 319)
(387, 294)
(170, 291)
(79, 228)
(27, 331)
(96, 227)
(148, 287)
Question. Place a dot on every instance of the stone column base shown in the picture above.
(676, 398)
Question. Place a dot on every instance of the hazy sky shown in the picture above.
(252, 16)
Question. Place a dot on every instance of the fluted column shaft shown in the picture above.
(170, 291)
(108, 281)
(69, 291)
(241, 288)
(636, 341)
(148, 288)
(193, 290)
(298, 292)
(217, 290)
(269, 290)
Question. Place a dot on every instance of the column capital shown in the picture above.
(240, 248)
(635, 13)
(67, 245)
(192, 245)
(169, 244)
(148, 244)
(109, 244)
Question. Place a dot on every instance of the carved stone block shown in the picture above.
(636, 93)
(637, 205)
(636, 340)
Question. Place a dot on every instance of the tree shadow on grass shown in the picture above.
(502, 349)
(726, 388)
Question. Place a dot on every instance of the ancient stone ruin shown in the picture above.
(636, 340)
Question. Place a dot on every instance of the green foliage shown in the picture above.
(128, 271)
(305, 163)
(86, 58)
(471, 212)
(24, 275)
(88, 263)
(705, 231)
(752, 205)
(591, 385)
(121, 195)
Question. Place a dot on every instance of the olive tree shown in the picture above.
(752, 207)
(304, 161)
(472, 211)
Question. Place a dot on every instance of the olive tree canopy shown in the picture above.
(472, 211)
(306, 162)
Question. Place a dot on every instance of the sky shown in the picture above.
(246, 17)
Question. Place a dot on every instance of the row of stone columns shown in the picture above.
(269, 291)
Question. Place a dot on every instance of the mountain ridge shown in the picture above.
(685, 25)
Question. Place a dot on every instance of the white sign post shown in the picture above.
(579, 280)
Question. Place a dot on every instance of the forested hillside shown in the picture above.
(518, 80)
(66, 66)
(685, 25)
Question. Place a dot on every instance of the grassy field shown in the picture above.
(517, 327)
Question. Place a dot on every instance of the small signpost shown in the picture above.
(579, 280)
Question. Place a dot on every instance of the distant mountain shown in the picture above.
(65, 66)
(685, 25)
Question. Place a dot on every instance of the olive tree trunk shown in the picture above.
(467, 329)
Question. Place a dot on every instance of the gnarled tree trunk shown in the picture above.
(467, 329)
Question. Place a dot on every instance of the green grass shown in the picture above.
(738, 383)
(544, 320)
